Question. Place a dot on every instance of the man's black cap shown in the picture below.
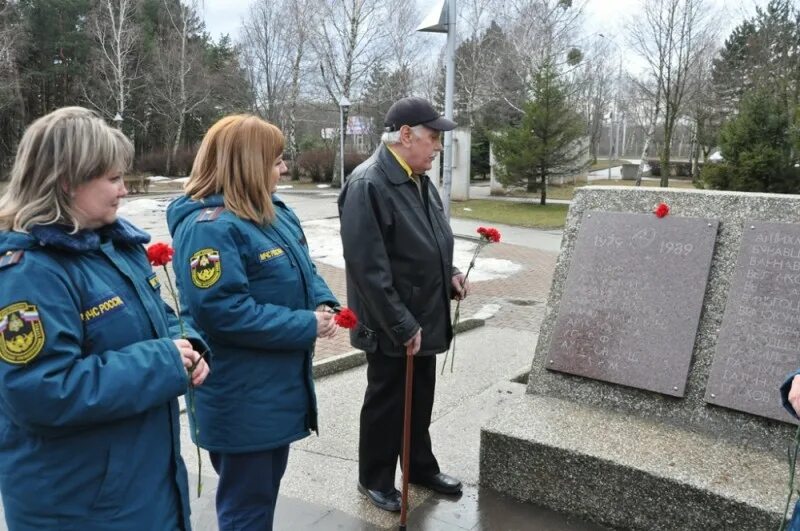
(413, 111)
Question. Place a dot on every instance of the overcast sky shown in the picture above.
(602, 16)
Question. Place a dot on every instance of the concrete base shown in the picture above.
(627, 472)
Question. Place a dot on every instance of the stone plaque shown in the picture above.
(632, 299)
(759, 341)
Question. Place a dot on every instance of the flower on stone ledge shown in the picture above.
(661, 210)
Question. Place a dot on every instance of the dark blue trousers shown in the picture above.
(248, 488)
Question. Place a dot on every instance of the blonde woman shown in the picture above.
(247, 280)
(89, 374)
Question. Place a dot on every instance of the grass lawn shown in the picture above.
(521, 214)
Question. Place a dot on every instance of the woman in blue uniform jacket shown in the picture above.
(89, 374)
(247, 280)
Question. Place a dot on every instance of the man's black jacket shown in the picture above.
(398, 252)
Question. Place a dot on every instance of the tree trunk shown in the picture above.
(543, 195)
(665, 169)
(174, 153)
(645, 148)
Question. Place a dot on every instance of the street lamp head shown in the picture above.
(344, 103)
(117, 118)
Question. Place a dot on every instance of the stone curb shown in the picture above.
(355, 358)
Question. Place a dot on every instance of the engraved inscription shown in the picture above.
(632, 300)
(759, 341)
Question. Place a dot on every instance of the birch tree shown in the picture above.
(349, 38)
(180, 84)
(672, 36)
(114, 29)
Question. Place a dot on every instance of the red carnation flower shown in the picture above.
(661, 210)
(346, 318)
(160, 254)
(489, 233)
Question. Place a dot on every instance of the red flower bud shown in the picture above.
(661, 210)
(160, 254)
(346, 318)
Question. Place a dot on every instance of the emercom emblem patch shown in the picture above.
(21, 333)
(206, 268)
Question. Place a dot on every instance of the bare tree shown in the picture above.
(11, 38)
(349, 37)
(267, 47)
(595, 84)
(671, 36)
(180, 85)
(541, 31)
(113, 26)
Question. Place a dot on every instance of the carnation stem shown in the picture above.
(457, 313)
(174, 295)
(191, 411)
(793, 451)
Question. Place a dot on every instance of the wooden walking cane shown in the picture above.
(406, 436)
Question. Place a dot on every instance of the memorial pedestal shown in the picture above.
(598, 433)
(628, 472)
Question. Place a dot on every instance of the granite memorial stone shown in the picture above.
(600, 443)
(760, 334)
(633, 298)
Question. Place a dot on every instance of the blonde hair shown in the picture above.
(57, 153)
(236, 159)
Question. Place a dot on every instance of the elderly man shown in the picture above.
(398, 249)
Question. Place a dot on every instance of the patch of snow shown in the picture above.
(324, 243)
(467, 209)
(487, 311)
(285, 186)
(485, 268)
(716, 157)
(142, 206)
(158, 179)
(325, 246)
(181, 180)
(323, 186)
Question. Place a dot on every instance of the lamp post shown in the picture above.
(344, 104)
(118, 120)
(442, 19)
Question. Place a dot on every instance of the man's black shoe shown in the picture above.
(441, 483)
(388, 501)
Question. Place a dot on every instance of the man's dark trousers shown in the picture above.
(381, 436)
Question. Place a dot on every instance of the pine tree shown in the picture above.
(758, 149)
(547, 141)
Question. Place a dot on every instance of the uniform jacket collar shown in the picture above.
(59, 236)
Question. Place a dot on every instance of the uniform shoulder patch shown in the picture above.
(21, 333)
(210, 214)
(206, 267)
(10, 258)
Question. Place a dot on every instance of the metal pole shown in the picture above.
(624, 130)
(447, 175)
(610, 138)
(341, 141)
